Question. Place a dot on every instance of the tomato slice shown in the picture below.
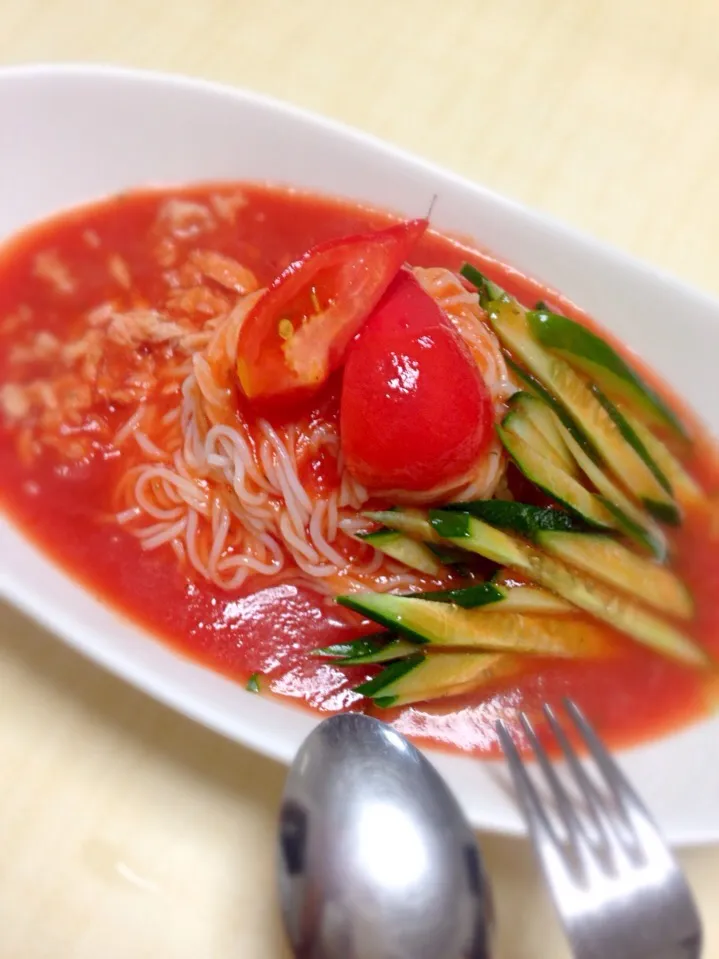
(415, 412)
(299, 330)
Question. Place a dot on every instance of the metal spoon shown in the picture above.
(376, 860)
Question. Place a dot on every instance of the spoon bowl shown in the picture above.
(375, 858)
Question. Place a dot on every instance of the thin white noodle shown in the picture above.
(332, 517)
(298, 546)
(171, 417)
(167, 535)
(239, 447)
(319, 541)
(191, 543)
(230, 502)
(133, 422)
(179, 551)
(286, 464)
(191, 494)
(221, 527)
(353, 523)
(296, 511)
(148, 447)
(128, 514)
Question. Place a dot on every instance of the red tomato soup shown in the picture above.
(130, 454)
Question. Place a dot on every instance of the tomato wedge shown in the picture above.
(415, 412)
(299, 330)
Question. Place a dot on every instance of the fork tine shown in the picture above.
(622, 790)
(642, 839)
(534, 812)
(586, 786)
(567, 866)
(561, 797)
(612, 900)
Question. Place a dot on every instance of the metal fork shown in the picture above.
(619, 892)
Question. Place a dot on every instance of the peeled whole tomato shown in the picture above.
(415, 412)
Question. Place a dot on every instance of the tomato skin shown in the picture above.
(415, 412)
(299, 330)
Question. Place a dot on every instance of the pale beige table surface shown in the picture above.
(127, 832)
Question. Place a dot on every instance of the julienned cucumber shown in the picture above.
(448, 555)
(384, 647)
(488, 289)
(493, 596)
(524, 428)
(685, 487)
(630, 519)
(584, 592)
(420, 524)
(526, 410)
(629, 434)
(466, 531)
(521, 598)
(419, 677)
(555, 482)
(520, 518)
(405, 549)
(609, 561)
(595, 357)
(531, 385)
(627, 463)
(440, 624)
(469, 597)
(532, 599)
(381, 648)
(413, 522)
(531, 409)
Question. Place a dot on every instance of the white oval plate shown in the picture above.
(71, 134)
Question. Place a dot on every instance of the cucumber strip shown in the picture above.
(600, 361)
(390, 675)
(685, 487)
(612, 608)
(443, 625)
(523, 427)
(531, 385)
(520, 599)
(413, 522)
(424, 678)
(615, 447)
(593, 597)
(468, 597)
(532, 599)
(448, 555)
(609, 561)
(520, 518)
(525, 409)
(405, 549)
(461, 528)
(631, 520)
(368, 649)
(555, 482)
(669, 513)
(487, 289)
(383, 647)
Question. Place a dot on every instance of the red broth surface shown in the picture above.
(269, 629)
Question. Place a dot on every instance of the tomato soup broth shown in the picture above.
(66, 489)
